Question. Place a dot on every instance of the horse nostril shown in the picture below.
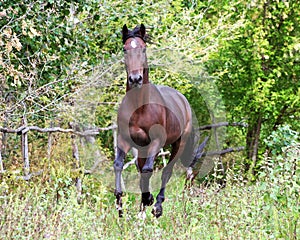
(135, 79)
(130, 79)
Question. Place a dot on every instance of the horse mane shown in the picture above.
(136, 32)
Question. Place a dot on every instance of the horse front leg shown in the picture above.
(118, 167)
(146, 169)
(147, 197)
(166, 175)
(177, 149)
(152, 151)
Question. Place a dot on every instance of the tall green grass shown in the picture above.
(241, 210)
(267, 208)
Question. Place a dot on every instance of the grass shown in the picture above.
(267, 208)
(239, 211)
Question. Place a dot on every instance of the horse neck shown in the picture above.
(146, 76)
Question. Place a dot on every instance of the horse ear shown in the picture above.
(143, 30)
(124, 32)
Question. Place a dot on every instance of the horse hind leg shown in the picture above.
(187, 154)
(196, 155)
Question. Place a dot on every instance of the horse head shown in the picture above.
(135, 56)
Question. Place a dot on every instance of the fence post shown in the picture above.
(220, 166)
(78, 182)
(24, 146)
(49, 145)
(3, 144)
(25, 151)
(1, 162)
(115, 136)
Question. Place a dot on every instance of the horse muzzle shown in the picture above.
(135, 80)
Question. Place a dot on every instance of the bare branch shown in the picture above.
(30, 175)
(222, 124)
(222, 152)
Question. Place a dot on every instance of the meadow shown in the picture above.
(267, 208)
(61, 65)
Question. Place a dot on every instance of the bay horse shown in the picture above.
(149, 118)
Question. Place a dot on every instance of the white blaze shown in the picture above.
(133, 44)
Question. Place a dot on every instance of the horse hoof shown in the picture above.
(120, 213)
(157, 211)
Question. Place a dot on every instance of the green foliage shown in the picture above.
(279, 179)
(284, 137)
(61, 62)
(61, 181)
(239, 211)
(257, 68)
(281, 171)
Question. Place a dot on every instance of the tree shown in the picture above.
(259, 70)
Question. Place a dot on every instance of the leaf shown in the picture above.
(34, 32)
(16, 43)
(9, 47)
(7, 32)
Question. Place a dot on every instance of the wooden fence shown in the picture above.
(74, 132)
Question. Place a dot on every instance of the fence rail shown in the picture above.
(25, 129)
(73, 130)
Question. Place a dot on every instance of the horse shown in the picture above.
(149, 117)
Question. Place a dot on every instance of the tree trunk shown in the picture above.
(252, 141)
